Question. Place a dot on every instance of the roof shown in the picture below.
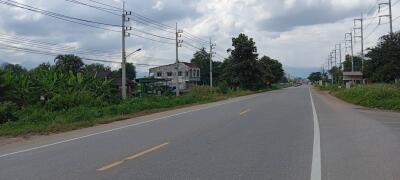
(191, 65)
(355, 73)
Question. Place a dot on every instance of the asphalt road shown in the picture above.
(269, 136)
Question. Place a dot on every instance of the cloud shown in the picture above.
(300, 33)
(294, 13)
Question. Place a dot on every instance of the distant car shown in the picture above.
(298, 84)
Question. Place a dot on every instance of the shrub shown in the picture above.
(66, 101)
(202, 91)
(8, 111)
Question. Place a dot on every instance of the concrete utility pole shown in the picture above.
(340, 54)
(211, 62)
(361, 36)
(349, 38)
(390, 15)
(178, 44)
(123, 64)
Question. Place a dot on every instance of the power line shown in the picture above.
(107, 5)
(107, 10)
(50, 44)
(60, 18)
(49, 13)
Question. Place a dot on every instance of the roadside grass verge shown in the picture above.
(33, 120)
(381, 96)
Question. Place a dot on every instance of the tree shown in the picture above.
(315, 76)
(336, 74)
(96, 69)
(384, 63)
(69, 62)
(202, 60)
(15, 68)
(357, 63)
(130, 72)
(241, 68)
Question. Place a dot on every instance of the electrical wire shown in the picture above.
(95, 7)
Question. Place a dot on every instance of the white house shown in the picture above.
(188, 74)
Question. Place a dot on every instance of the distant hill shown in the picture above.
(300, 72)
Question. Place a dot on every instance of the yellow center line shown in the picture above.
(147, 151)
(244, 112)
(110, 166)
(116, 163)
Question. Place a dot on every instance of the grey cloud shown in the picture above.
(321, 13)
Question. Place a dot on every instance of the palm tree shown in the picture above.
(69, 62)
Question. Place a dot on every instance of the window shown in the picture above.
(198, 73)
(169, 74)
(180, 73)
(159, 74)
(187, 73)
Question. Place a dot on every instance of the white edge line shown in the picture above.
(122, 127)
(316, 173)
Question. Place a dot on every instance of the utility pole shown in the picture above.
(349, 38)
(390, 16)
(361, 36)
(123, 64)
(212, 46)
(340, 54)
(178, 45)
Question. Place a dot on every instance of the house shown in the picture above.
(188, 74)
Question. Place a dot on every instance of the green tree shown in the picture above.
(384, 60)
(357, 63)
(241, 68)
(130, 72)
(69, 62)
(96, 69)
(202, 60)
(315, 76)
(336, 74)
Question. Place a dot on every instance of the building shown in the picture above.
(188, 74)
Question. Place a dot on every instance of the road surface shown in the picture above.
(295, 134)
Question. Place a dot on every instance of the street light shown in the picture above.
(134, 52)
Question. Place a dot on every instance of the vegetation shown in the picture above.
(375, 96)
(70, 94)
(315, 77)
(382, 96)
(33, 120)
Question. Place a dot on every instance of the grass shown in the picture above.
(33, 121)
(382, 96)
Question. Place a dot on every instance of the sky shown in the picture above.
(299, 33)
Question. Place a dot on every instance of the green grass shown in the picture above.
(35, 120)
(382, 96)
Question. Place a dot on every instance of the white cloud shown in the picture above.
(307, 29)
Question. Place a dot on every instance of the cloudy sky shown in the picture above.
(300, 33)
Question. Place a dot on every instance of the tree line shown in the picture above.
(70, 83)
(242, 69)
(381, 63)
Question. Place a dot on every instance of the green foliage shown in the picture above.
(376, 96)
(347, 64)
(315, 76)
(336, 74)
(384, 63)
(8, 111)
(202, 60)
(241, 69)
(69, 62)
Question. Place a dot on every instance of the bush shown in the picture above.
(375, 96)
(202, 91)
(8, 111)
(223, 88)
(66, 101)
